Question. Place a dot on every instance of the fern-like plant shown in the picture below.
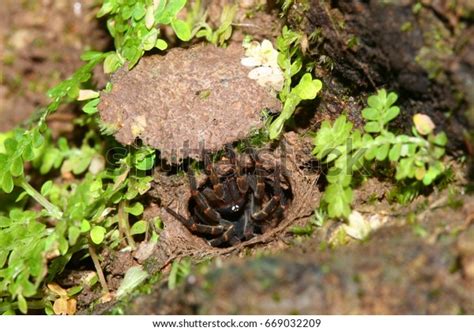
(346, 150)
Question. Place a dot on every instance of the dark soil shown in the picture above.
(426, 55)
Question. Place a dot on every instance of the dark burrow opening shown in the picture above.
(240, 197)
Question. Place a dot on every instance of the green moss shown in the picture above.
(436, 50)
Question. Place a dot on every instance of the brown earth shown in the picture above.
(40, 45)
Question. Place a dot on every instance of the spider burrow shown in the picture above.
(239, 199)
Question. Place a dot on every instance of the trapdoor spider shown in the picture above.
(238, 200)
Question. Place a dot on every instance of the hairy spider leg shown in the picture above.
(238, 186)
(257, 181)
(242, 180)
(274, 202)
(284, 203)
(227, 236)
(212, 173)
(248, 226)
(212, 215)
(211, 197)
(193, 226)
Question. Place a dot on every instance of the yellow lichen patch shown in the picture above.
(139, 125)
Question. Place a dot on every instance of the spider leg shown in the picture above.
(258, 181)
(252, 181)
(241, 178)
(211, 196)
(273, 203)
(227, 236)
(213, 176)
(193, 226)
(249, 227)
(201, 201)
(236, 194)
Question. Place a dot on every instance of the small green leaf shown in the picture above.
(6, 182)
(22, 304)
(391, 113)
(3, 257)
(372, 127)
(370, 153)
(207, 33)
(126, 11)
(296, 66)
(10, 145)
(139, 227)
(394, 153)
(182, 29)
(375, 101)
(63, 245)
(149, 17)
(432, 173)
(307, 88)
(28, 153)
(158, 223)
(38, 138)
(133, 277)
(6, 222)
(111, 63)
(46, 187)
(16, 167)
(382, 152)
(330, 138)
(73, 234)
(91, 107)
(149, 41)
(405, 169)
(339, 200)
(391, 99)
(139, 11)
(438, 152)
(173, 7)
(146, 163)
(225, 35)
(276, 127)
(136, 209)
(97, 234)
(161, 44)
(106, 8)
(85, 226)
(370, 114)
(441, 139)
(50, 159)
(74, 290)
(91, 55)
